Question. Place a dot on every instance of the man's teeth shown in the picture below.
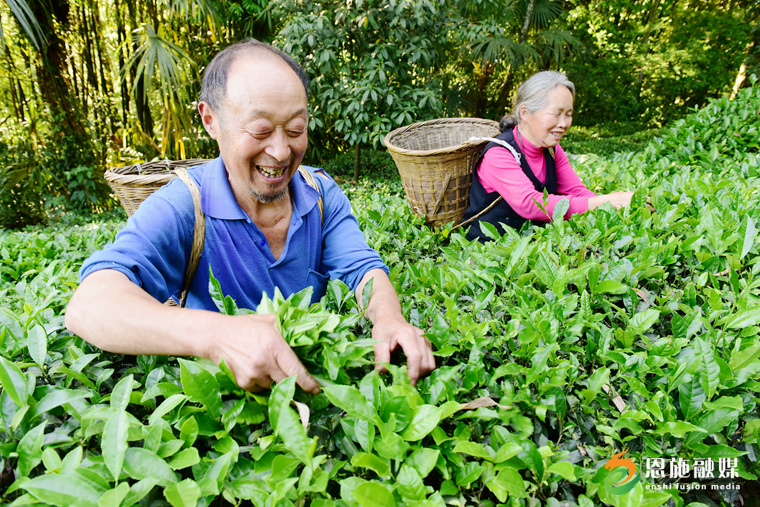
(271, 173)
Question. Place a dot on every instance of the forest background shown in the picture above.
(92, 84)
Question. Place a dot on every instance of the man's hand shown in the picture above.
(250, 345)
(419, 353)
(257, 354)
(392, 330)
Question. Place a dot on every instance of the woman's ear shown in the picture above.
(523, 112)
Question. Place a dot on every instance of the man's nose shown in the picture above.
(279, 147)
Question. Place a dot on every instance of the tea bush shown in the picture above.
(557, 348)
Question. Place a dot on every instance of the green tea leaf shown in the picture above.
(183, 494)
(747, 236)
(57, 398)
(121, 393)
(201, 387)
(13, 381)
(351, 400)
(610, 287)
(677, 429)
(709, 370)
(114, 496)
(691, 397)
(538, 361)
(744, 318)
(409, 484)
(225, 304)
(142, 464)
(114, 444)
(62, 490)
(507, 482)
(742, 359)
(473, 449)
(185, 458)
(372, 494)
(213, 477)
(642, 321)
(423, 460)
(286, 423)
(36, 343)
(30, 450)
(564, 469)
(139, 490)
(425, 420)
(367, 292)
(166, 406)
(560, 209)
(365, 460)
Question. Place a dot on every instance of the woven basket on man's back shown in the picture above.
(435, 160)
(132, 184)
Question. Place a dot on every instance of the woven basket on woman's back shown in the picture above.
(132, 184)
(435, 160)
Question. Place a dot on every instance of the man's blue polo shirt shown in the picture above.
(154, 247)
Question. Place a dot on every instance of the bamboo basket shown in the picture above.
(435, 159)
(132, 184)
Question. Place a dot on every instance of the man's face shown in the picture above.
(261, 126)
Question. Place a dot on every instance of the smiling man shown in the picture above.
(264, 229)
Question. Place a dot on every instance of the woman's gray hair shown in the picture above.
(214, 83)
(533, 94)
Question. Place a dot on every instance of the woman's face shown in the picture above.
(545, 127)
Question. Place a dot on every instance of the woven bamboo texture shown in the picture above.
(132, 184)
(435, 160)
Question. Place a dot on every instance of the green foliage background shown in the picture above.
(557, 347)
(94, 84)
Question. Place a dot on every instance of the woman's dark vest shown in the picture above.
(503, 212)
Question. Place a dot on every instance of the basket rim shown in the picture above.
(467, 145)
(161, 171)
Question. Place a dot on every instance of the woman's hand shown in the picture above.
(617, 199)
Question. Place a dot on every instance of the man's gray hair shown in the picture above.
(214, 84)
(533, 94)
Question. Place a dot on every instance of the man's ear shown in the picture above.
(210, 119)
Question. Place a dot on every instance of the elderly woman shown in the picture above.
(513, 171)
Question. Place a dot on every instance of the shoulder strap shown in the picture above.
(518, 158)
(199, 235)
(312, 182)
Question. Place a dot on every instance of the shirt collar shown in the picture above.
(530, 149)
(218, 200)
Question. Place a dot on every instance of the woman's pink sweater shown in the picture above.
(500, 172)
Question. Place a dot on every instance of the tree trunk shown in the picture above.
(645, 41)
(53, 84)
(357, 161)
(138, 86)
(481, 97)
(121, 36)
(502, 100)
(526, 23)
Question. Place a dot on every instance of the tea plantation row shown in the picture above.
(556, 348)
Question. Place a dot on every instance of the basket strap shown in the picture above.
(312, 182)
(518, 157)
(199, 235)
